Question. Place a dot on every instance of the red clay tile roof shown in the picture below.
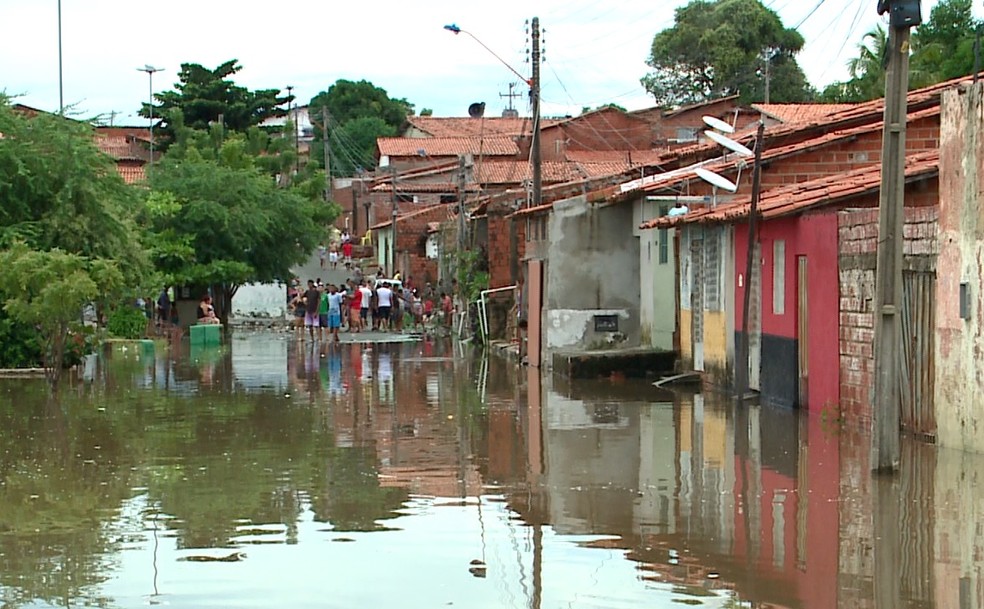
(798, 113)
(440, 126)
(628, 157)
(726, 164)
(132, 173)
(797, 198)
(497, 145)
(435, 209)
(515, 172)
(142, 133)
(430, 187)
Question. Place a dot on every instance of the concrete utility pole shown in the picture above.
(462, 182)
(396, 212)
(324, 134)
(904, 14)
(535, 99)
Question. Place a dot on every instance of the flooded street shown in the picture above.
(270, 473)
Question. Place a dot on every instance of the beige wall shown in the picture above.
(960, 341)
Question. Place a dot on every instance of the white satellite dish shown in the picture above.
(716, 123)
(715, 179)
(729, 143)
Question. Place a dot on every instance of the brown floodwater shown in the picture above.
(269, 473)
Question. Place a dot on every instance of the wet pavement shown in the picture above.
(277, 473)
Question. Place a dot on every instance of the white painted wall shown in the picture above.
(567, 328)
(261, 300)
(657, 302)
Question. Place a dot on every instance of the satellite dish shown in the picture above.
(476, 110)
(716, 123)
(729, 143)
(715, 179)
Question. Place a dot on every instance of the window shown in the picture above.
(686, 134)
(779, 277)
(449, 198)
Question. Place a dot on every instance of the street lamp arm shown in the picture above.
(454, 29)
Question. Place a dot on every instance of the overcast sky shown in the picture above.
(595, 51)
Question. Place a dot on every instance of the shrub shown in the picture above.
(127, 322)
(20, 346)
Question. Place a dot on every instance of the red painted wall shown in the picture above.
(813, 236)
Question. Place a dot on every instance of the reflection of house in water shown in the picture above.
(699, 493)
(407, 413)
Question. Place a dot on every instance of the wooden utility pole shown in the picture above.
(741, 374)
(888, 272)
(535, 99)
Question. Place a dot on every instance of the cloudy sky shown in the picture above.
(594, 51)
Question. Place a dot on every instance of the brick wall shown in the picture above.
(411, 237)
(858, 246)
(500, 229)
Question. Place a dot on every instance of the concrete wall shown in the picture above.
(593, 270)
(959, 341)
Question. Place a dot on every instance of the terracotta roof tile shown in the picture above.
(430, 209)
(440, 126)
(726, 164)
(498, 145)
(798, 113)
(131, 173)
(515, 172)
(797, 198)
(423, 187)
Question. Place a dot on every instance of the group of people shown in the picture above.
(329, 255)
(378, 304)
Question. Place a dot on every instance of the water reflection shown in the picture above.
(276, 473)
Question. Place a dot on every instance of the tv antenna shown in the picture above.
(511, 96)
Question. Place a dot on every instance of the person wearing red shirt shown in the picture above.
(355, 307)
(347, 253)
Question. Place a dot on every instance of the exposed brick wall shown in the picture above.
(858, 247)
(602, 130)
(500, 229)
(411, 237)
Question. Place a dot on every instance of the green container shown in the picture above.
(206, 334)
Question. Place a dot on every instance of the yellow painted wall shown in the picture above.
(686, 342)
(716, 338)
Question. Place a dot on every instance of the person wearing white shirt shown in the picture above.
(384, 302)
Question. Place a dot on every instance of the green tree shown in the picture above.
(47, 290)
(221, 222)
(204, 96)
(718, 48)
(59, 191)
(866, 70)
(942, 49)
(353, 145)
(358, 113)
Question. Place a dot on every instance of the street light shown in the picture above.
(61, 96)
(150, 70)
(534, 84)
